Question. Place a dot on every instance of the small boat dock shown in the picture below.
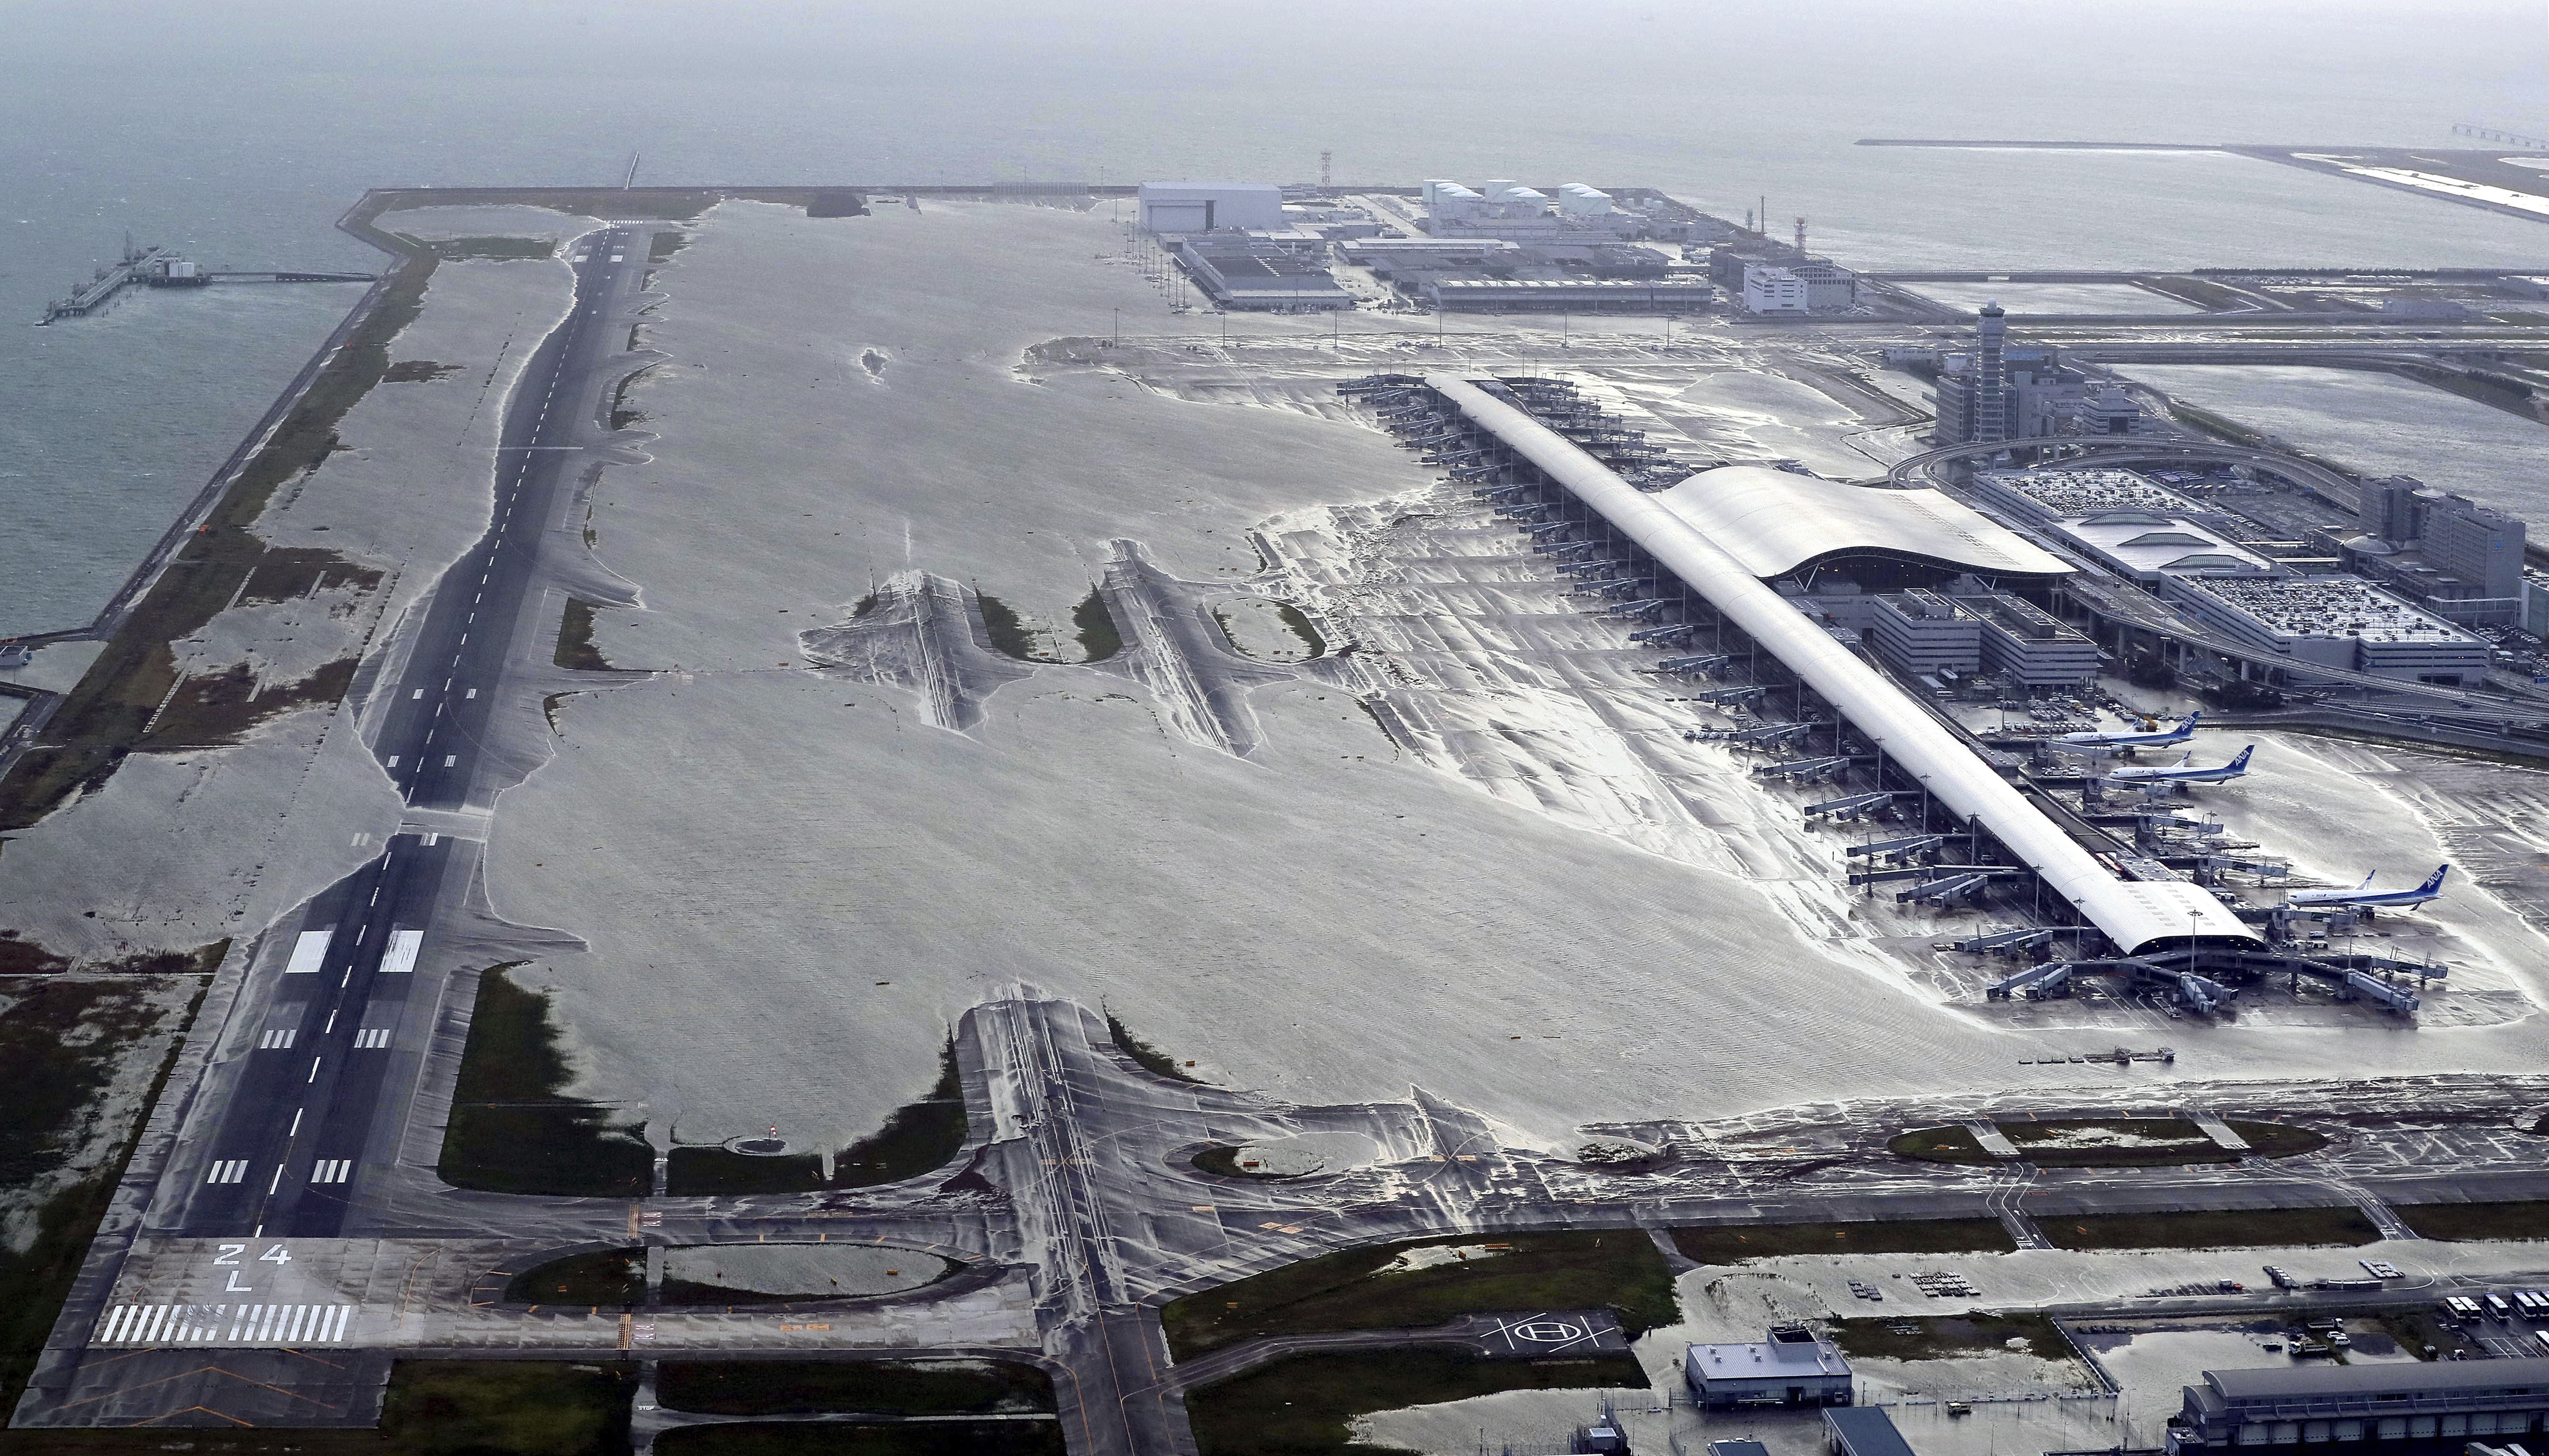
(153, 266)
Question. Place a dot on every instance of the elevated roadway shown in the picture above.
(2123, 602)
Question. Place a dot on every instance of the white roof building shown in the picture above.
(1791, 1367)
(2147, 545)
(1775, 521)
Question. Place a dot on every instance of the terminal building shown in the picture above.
(1720, 537)
(2408, 1407)
(1790, 1365)
(1959, 629)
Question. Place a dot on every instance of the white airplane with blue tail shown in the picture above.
(2365, 897)
(2185, 771)
(2158, 738)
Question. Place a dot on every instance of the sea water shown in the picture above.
(239, 133)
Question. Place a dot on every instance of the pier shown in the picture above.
(158, 267)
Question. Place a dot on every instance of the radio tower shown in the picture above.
(1801, 238)
(1325, 181)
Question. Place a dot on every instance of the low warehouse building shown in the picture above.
(2342, 1410)
(2338, 622)
(1862, 1430)
(1790, 1366)
(1238, 271)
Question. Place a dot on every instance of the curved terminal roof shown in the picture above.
(2135, 914)
(1774, 522)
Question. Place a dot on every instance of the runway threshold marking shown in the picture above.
(204, 1324)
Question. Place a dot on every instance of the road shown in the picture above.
(284, 1138)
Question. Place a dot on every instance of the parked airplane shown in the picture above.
(2365, 897)
(2183, 771)
(2163, 739)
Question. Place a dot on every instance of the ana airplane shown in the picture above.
(2365, 897)
(2183, 771)
(2163, 739)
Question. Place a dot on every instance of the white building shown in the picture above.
(1799, 288)
(1768, 290)
(1202, 206)
(2149, 546)
(1791, 1366)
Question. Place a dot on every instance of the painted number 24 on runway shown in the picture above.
(230, 1256)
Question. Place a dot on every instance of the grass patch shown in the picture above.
(489, 1405)
(1299, 621)
(418, 371)
(608, 1275)
(836, 202)
(512, 1130)
(1733, 1245)
(19, 956)
(1946, 1145)
(1224, 1162)
(1618, 1269)
(805, 1387)
(434, 1408)
(1152, 1058)
(480, 249)
(59, 1043)
(667, 242)
(104, 717)
(2211, 1229)
(677, 1291)
(936, 1438)
(2478, 1221)
(920, 1136)
(1009, 635)
(1098, 637)
(1950, 1336)
(2179, 1142)
(575, 647)
(218, 709)
(1306, 1403)
(667, 203)
(2203, 293)
(2417, 1327)
(622, 415)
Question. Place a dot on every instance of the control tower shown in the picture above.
(1990, 378)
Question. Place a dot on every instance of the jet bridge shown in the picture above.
(2132, 914)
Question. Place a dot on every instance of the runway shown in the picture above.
(288, 1129)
